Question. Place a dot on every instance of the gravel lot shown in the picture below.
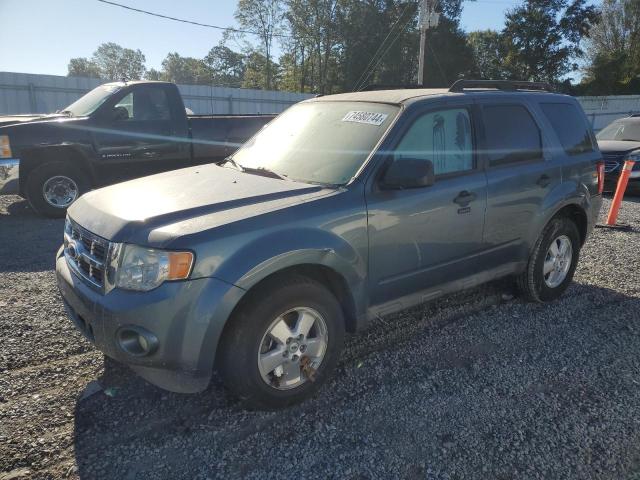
(473, 386)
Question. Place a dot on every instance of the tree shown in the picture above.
(118, 63)
(188, 70)
(543, 38)
(488, 52)
(264, 17)
(227, 67)
(613, 60)
(83, 67)
(255, 71)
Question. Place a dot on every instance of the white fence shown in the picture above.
(601, 111)
(30, 93)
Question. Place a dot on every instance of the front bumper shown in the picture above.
(9, 169)
(187, 319)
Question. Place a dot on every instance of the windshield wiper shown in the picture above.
(265, 172)
(235, 164)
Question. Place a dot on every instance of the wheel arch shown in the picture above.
(33, 158)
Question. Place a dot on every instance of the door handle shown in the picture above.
(464, 198)
(544, 180)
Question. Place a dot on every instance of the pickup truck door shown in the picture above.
(521, 172)
(140, 133)
(424, 237)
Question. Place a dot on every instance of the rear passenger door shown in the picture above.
(521, 171)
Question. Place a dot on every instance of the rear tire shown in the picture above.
(53, 187)
(247, 341)
(548, 274)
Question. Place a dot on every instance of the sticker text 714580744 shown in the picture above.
(371, 118)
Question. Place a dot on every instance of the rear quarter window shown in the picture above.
(570, 127)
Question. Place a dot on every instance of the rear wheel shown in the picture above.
(552, 262)
(53, 187)
(282, 344)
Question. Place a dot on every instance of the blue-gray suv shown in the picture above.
(343, 208)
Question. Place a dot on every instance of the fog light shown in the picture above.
(137, 341)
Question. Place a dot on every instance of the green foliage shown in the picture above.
(542, 38)
(614, 51)
(110, 61)
(83, 67)
(189, 70)
(265, 17)
(488, 50)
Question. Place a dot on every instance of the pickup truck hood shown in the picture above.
(16, 119)
(155, 210)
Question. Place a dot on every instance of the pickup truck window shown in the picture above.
(444, 137)
(512, 135)
(91, 101)
(319, 142)
(143, 104)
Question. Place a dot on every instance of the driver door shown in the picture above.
(137, 136)
(423, 237)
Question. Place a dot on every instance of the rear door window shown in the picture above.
(512, 135)
(570, 127)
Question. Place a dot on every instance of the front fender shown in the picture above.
(256, 260)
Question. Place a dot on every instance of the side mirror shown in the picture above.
(408, 173)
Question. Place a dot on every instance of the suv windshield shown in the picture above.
(621, 130)
(88, 104)
(318, 142)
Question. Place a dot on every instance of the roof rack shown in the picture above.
(502, 85)
(379, 86)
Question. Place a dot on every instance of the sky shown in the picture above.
(40, 36)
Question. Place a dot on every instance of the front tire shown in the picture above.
(282, 344)
(552, 262)
(53, 187)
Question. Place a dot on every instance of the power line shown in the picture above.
(357, 84)
(191, 22)
(373, 69)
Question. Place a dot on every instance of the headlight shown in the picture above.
(5, 147)
(143, 269)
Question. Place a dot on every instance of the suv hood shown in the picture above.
(617, 146)
(143, 211)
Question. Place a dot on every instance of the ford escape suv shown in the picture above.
(343, 208)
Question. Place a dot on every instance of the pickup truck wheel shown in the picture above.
(552, 263)
(282, 344)
(53, 187)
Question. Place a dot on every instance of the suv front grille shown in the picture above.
(87, 254)
(611, 162)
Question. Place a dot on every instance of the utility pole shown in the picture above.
(428, 18)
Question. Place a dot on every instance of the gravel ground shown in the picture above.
(472, 386)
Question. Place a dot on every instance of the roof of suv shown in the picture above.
(408, 95)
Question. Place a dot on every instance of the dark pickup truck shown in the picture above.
(116, 132)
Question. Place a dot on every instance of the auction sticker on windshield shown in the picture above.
(370, 118)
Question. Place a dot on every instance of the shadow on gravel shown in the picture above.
(464, 389)
(28, 243)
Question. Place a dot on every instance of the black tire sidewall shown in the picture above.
(240, 345)
(556, 228)
(40, 175)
